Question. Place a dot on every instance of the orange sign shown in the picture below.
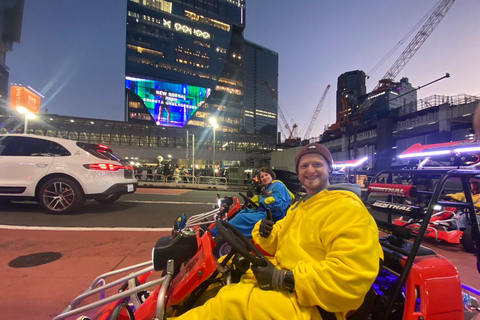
(23, 97)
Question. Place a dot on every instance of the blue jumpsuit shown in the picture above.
(246, 219)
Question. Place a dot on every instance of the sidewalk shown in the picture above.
(42, 292)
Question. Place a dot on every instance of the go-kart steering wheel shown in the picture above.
(248, 200)
(238, 242)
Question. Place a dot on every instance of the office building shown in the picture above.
(351, 88)
(261, 86)
(11, 14)
(184, 60)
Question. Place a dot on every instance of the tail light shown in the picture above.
(106, 166)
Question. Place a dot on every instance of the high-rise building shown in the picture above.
(261, 74)
(350, 89)
(11, 14)
(184, 61)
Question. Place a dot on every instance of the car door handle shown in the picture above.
(42, 164)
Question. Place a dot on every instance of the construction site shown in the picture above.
(384, 122)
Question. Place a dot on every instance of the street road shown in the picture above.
(147, 208)
(137, 221)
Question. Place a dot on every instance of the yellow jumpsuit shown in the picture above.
(461, 197)
(330, 242)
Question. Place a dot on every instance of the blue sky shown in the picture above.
(73, 52)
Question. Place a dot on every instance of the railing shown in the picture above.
(181, 179)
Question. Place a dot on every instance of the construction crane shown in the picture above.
(316, 113)
(422, 35)
(291, 131)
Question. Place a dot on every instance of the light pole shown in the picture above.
(28, 115)
(213, 122)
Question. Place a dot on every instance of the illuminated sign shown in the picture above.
(24, 97)
(170, 104)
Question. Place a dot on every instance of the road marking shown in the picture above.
(170, 192)
(166, 202)
(38, 228)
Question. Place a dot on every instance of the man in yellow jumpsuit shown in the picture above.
(325, 254)
(460, 196)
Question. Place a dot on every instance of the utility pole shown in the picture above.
(192, 135)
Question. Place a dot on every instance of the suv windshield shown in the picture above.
(98, 151)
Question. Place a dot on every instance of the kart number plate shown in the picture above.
(130, 188)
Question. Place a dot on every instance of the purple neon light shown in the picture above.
(439, 152)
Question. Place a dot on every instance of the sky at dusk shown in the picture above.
(73, 52)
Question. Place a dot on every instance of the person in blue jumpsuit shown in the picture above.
(276, 197)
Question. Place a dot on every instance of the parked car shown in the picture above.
(290, 179)
(60, 174)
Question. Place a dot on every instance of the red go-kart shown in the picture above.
(411, 285)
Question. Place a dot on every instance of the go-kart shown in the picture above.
(449, 222)
(411, 284)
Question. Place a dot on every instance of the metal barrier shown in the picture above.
(212, 180)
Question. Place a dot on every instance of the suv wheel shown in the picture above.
(109, 199)
(60, 195)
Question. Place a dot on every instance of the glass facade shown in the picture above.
(184, 60)
(351, 88)
(261, 67)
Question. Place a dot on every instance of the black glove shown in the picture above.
(269, 277)
(266, 227)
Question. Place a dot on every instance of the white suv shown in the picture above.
(59, 173)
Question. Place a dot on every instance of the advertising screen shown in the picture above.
(23, 97)
(170, 104)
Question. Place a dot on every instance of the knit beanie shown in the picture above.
(315, 148)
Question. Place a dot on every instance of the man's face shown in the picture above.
(313, 173)
(265, 178)
(474, 187)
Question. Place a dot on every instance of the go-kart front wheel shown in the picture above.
(467, 241)
(222, 247)
(240, 244)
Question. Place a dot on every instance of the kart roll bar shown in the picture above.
(72, 309)
(464, 176)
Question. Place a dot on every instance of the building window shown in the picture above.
(208, 21)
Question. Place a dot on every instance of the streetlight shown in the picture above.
(28, 115)
(213, 122)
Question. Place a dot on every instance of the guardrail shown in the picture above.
(182, 181)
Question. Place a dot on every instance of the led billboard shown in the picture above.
(170, 104)
(23, 97)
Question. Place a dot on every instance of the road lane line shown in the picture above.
(165, 202)
(38, 228)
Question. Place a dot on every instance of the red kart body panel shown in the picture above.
(234, 208)
(197, 270)
(401, 190)
(435, 282)
(452, 236)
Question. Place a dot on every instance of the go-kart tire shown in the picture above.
(222, 248)
(60, 195)
(467, 241)
(109, 199)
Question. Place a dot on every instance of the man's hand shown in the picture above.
(269, 200)
(269, 277)
(266, 227)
